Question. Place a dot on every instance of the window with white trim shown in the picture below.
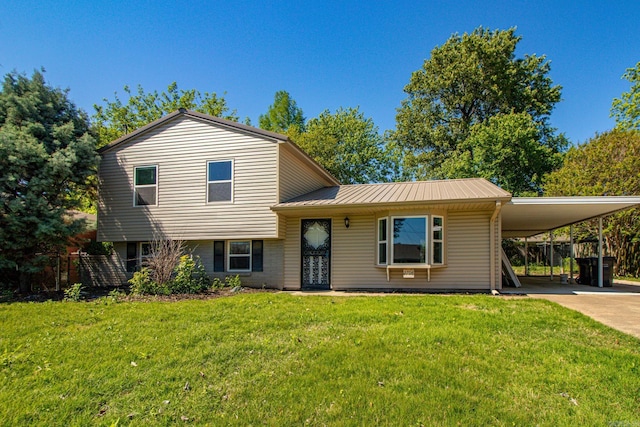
(437, 239)
(145, 185)
(382, 241)
(409, 240)
(220, 181)
(239, 256)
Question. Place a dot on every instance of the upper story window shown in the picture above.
(409, 240)
(220, 181)
(145, 185)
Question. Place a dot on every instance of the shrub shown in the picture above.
(229, 282)
(163, 258)
(233, 281)
(190, 276)
(99, 248)
(142, 284)
(73, 293)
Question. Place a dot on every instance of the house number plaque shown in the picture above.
(408, 273)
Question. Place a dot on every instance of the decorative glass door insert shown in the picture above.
(316, 253)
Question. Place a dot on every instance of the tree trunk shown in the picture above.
(25, 282)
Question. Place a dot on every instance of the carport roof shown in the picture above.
(528, 216)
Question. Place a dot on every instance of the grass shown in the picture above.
(278, 359)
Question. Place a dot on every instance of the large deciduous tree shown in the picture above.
(47, 156)
(115, 118)
(607, 165)
(626, 109)
(282, 114)
(452, 99)
(347, 144)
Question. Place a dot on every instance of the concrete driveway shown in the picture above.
(617, 306)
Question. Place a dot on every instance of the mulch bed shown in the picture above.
(94, 293)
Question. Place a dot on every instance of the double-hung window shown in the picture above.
(437, 239)
(220, 181)
(145, 185)
(239, 256)
(409, 240)
(382, 241)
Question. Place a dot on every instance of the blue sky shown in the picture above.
(325, 54)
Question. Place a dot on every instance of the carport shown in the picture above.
(528, 216)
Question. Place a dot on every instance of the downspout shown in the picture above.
(492, 243)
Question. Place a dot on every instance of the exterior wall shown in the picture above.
(295, 177)
(498, 251)
(271, 277)
(353, 255)
(181, 149)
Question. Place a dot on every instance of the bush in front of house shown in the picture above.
(189, 277)
(143, 284)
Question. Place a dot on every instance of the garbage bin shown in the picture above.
(608, 263)
(584, 277)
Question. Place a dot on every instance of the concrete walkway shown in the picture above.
(617, 306)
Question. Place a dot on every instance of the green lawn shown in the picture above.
(278, 359)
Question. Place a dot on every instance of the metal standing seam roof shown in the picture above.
(442, 191)
(225, 124)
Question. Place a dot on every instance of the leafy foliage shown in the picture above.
(73, 293)
(282, 114)
(99, 248)
(142, 284)
(346, 144)
(190, 277)
(116, 118)
(607, 165)
(626, 109)
(466, 82)
(47, 156)
(505, 150)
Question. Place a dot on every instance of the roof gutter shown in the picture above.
(282, 207)
(492, 243)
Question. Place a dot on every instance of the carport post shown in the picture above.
(551, 252)
(526, 257)
(600, 275)
(571, 253)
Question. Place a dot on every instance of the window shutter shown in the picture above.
(218, 255)
(132, 256)
(256, 250)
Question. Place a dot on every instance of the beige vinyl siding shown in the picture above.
(296, 177)
(353, 255)
(181, 148)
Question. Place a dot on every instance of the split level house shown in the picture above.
(250, 202)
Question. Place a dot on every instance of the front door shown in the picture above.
(316, 253)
